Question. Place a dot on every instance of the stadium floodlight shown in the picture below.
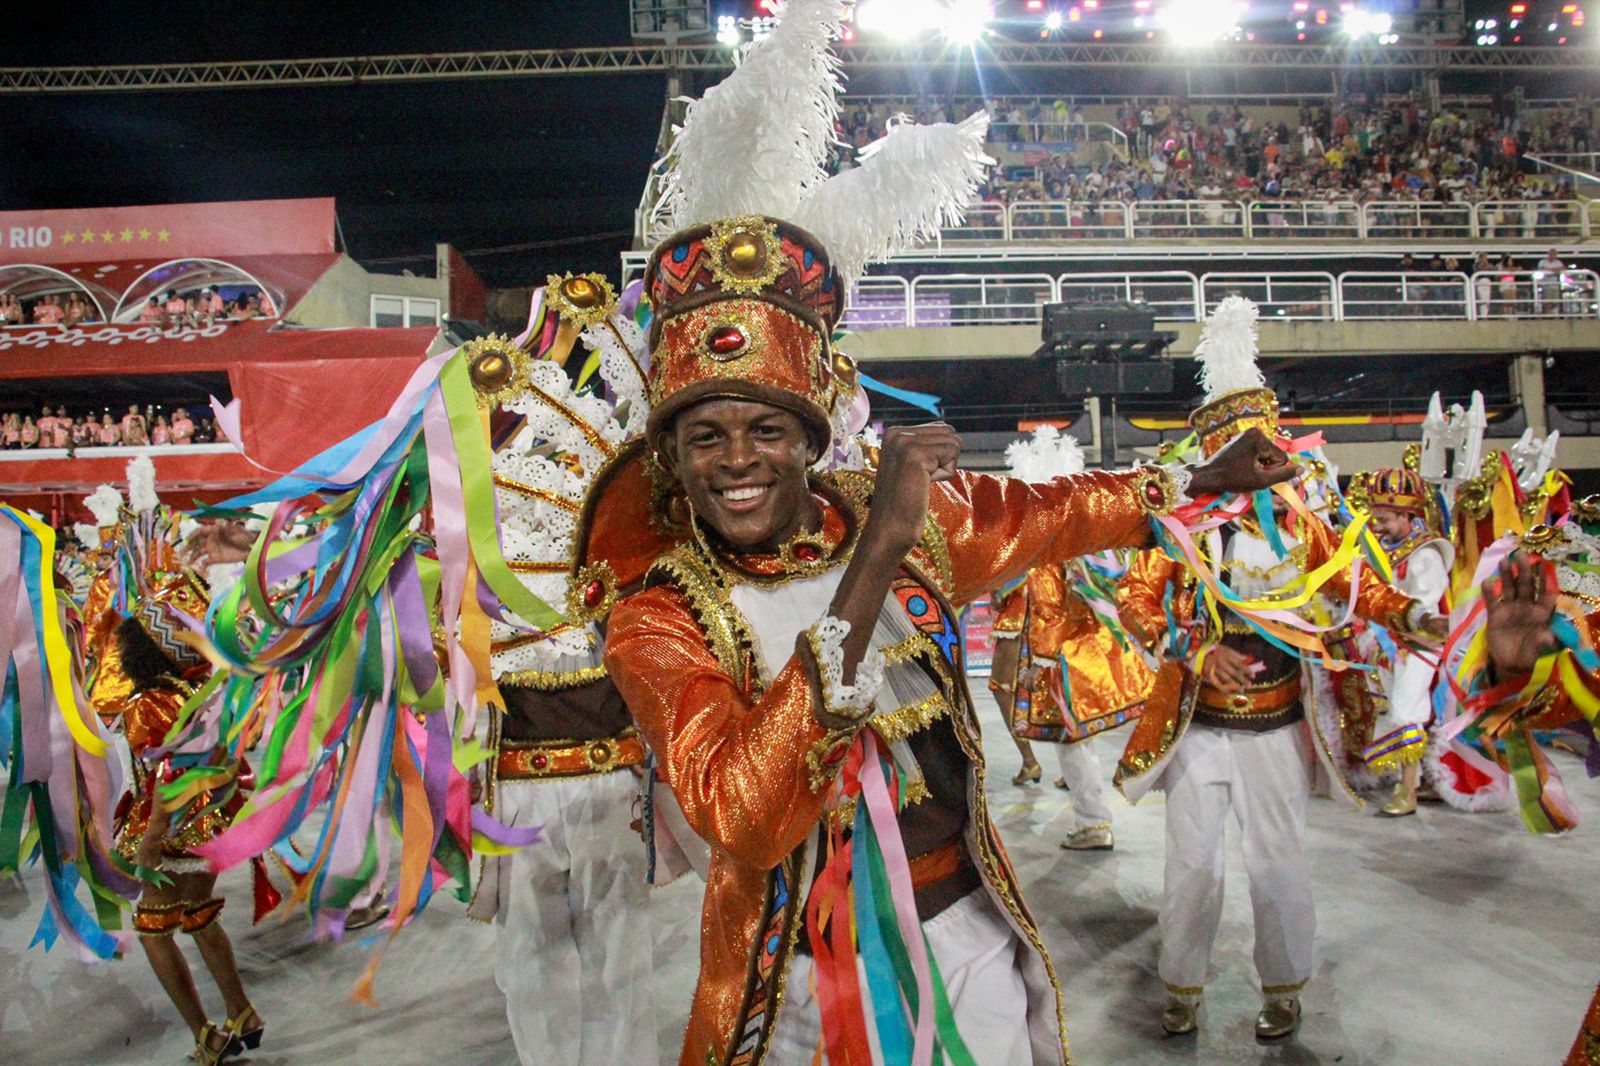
(1200, 21)
(728, 31)
(1052, 21)
(1359, 23)
(898, 18)
(965, 22)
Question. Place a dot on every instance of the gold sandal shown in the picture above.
(1026, 776)
(245, 1039)
(205, 1054)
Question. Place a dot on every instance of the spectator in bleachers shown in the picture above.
(63, 431)
(110, 432)
(152, 313)
(11, 313)
(176, 307)
(77, 310)
(47, 311)
(182, 426)
(30, 432)
(83, 433)
(11, 430)
(1547, 284)
(135, 429)
(161, 433)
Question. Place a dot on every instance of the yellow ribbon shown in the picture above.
(56, 654)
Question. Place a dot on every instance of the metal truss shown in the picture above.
(353, 70)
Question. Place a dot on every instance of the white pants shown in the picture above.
(574, 936)
(979, 959)
(1080, 767)
(1263, 778)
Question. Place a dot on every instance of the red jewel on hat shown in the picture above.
(726, 340)
(593, 593)
(1153, 493)
(540, 761)
(807, 553)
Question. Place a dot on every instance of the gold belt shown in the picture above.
(1262, 701)
(532, 760)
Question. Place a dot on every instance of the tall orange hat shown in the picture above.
(744, 308)
(1237, 397)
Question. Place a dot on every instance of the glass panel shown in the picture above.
(422, 312)
(388, 311)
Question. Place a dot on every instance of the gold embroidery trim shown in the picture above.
(553, 680)
(910, 719)
(535, 492)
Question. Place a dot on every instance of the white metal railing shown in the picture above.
(1303, 218)
(1167, 219)
(1294, 296)
(983, 222)
(1501, 294)
(1444, 296)
(1531, 220)
(1415, 220)
(1067, 220)
(979, 299)
(1174, 294)
(878, 303)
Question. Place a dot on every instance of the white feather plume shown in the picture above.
(104, 503)
(1227, 349)
(909, 184)
(142, 496)
(757, 141)
(1044, 455)
(88, 535)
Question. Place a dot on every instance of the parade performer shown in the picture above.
(1083, 675)
(572, 919)
(1008, 608)
(1225, 726)
(787, 642)
(1399, 503)
(143, 671)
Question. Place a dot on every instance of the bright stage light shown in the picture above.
(966, 21)
(1200, 21)
(1360, 23)
(898, 18)
(1052, 21)
(728, 31)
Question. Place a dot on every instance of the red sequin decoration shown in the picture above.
(540, 761)
(593, 593)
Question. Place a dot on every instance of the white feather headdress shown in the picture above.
(142, 496)
(1227, 349)
(1044, 455)
(104, 503)
(758, 143)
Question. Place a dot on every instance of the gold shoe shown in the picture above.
(1402, 803)
(1026, 776)
(1278, 1018)
(207, 1055)
(1090, 838)
(1180, 1017)
(242, 1039)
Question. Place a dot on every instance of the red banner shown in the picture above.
(167, 231)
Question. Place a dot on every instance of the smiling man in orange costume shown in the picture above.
(764, 621)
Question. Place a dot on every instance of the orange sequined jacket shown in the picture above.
(1171, 704)
(741, 758)
(1105, 683)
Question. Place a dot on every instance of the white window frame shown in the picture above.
(407, 305)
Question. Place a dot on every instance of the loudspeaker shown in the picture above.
(1080, 320)
(1113, 379)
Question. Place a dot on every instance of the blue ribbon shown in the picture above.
(927, 402)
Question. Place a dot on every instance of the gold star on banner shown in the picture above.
(127, 235)
(88, 236)
(144, 235)
(162, 234)
(68, 237)
(108, 236)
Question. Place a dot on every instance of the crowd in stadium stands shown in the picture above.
(198, 308)
(51, 310)
(1179, 151)
(55, 428)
